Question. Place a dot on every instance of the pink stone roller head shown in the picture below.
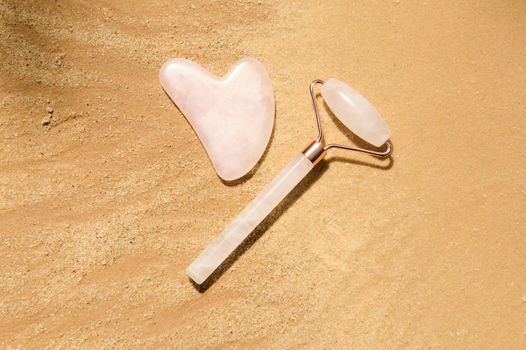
(355, 112)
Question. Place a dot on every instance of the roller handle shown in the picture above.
(253, 214)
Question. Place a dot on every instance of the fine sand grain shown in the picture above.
(106, 194)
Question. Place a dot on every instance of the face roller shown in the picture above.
(355, 112)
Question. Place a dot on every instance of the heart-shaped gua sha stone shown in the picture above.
(232, 115)
(355, 112)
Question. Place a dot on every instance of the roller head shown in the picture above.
(355, 112)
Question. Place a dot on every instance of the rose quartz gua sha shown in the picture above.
(232, 115)
(355, 112)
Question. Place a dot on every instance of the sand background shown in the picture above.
(103, 208)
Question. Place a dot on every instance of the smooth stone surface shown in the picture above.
(232, 115)
(253, 214)
(355, 112)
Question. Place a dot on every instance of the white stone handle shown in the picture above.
(249, 219)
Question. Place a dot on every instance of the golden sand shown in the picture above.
(108, 197)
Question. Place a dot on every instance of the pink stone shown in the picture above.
(233, 115)
(355, 112)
